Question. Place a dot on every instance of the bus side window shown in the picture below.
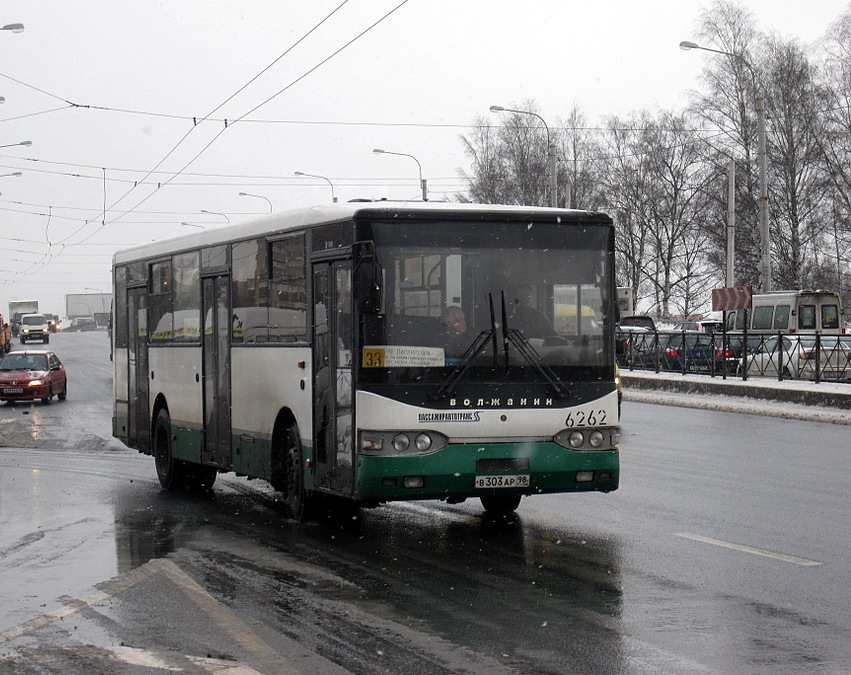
(806, 317)
(781, 317)
(762, 317)
(829, 316)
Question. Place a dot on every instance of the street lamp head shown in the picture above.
(685, 44)
(26, 143)
(378, 151)
(14, 27)
(299, 173)
(497, 108)
(17, 174)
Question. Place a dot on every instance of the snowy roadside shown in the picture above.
(823, 402)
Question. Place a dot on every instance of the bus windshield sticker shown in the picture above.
(398, 356)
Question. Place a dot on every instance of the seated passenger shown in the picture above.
(453, 332)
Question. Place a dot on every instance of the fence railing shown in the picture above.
(817, 357)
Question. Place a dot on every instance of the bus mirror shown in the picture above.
(368, 279)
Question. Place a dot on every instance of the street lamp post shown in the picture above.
(765, 266)
(423, 185)
(216, 213)
(248, 194)
(200, 227)
(551, 150)
(313, 175)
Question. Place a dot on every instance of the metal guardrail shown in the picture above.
(782, 356)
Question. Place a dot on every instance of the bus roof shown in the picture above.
(329, 213)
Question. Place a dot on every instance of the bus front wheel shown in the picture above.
(500, 505)
(300, 500)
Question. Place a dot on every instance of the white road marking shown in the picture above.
(219, 613)
(749, 549)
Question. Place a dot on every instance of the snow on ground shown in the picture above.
(741, 396)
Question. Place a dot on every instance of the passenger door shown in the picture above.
(138, 420)
(216, 378)
(332, 376)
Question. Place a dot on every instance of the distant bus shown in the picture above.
(304, 348)
(791, 312)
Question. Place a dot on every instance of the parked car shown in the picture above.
(638, 321)
(27, 375)
(704, 325)
(795, 356)
(636, 347)
(831, 359)
(697, 351)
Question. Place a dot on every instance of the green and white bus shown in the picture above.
(304, 348)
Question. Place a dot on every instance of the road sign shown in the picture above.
(727, 299)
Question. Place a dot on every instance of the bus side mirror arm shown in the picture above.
(368, 277)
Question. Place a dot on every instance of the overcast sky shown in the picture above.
(113, 96)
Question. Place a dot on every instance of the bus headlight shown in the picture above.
(605, 438)
(401, 442)
(423, 442)
(388, 443)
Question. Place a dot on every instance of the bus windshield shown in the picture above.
(521, 302)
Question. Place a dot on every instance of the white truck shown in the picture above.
(17, 308)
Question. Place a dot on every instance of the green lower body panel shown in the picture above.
(451, 473)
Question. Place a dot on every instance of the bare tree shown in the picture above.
(836, 149)
(798, 182)
(510, 167)
(623, 178)
(728, 106)
(578, 177)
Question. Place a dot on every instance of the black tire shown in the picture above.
(46, 401)
(169, 469)
(500, 505)
(64, 393)
(175, 474)
(301, 502)
(199, 478)
(47, 340)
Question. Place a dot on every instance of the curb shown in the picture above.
(765, 391)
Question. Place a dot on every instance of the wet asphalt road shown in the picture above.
(725, 551)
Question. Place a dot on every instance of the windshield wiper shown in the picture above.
(466, 359)
(509, 336)
(527, 351)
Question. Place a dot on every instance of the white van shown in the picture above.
(791, 312)
(34, 327)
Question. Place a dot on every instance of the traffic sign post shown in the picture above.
(728, 299)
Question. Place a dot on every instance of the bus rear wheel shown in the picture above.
(300, 500)
(169, 469)
(500, 505)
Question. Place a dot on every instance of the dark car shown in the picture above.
(697, 351)
(27, 375)
(636, 347)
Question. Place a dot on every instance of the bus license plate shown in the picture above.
(517, 481)
(17, 390)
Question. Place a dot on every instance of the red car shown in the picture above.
(30, 374)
